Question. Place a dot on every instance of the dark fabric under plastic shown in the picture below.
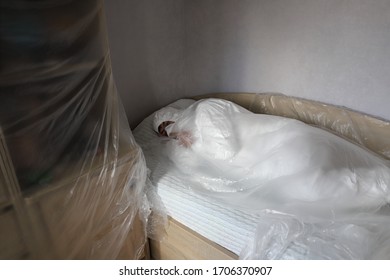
(69, 142)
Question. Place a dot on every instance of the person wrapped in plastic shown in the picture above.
(271, 165)
(272, 158)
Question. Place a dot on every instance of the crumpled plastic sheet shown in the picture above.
(79, 177)
(317, 181)
(284, 236)
(362, 129)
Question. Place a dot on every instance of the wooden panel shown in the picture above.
(181, 243)
(11, 242)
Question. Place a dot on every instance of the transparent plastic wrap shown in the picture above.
(79, 177)
(259, 162)
(283, 236)
(365, 130)
(156, 213)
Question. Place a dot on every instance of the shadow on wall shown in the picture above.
(146, 42)
(128, 52)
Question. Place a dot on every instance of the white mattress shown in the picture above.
(227, 227)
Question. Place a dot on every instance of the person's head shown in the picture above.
(163, 118)
(161, 128)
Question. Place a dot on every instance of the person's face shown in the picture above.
(162, 126)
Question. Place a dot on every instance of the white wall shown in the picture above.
(334, 51)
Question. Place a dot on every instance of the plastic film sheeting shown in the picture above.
(310, 188)
(364, 130)
(77, 175)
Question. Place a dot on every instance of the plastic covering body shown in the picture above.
(79, 177)
(365, 130)
(318, 195)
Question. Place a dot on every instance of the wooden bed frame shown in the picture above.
(182, 243)
(370, 132)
